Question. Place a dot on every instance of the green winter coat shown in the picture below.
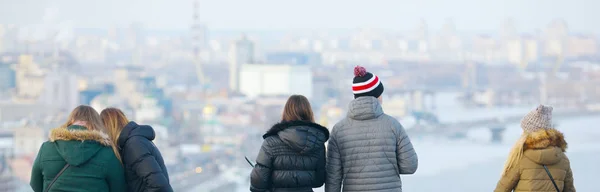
(93, 164)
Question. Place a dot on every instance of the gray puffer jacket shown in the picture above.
(368, 150)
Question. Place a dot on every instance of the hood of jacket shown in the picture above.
(545, 147)
(76, 144)
(132, 129)
(364, 108)
(301, 136)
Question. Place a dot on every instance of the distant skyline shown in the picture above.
(468, 15)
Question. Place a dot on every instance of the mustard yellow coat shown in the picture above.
(544, 147)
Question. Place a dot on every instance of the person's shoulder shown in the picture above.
(387, 117)
(342, 123)
(339, 126)
(565, 159)
(138, 142)
(390, 120)
(272, 140)
(47, 144)
(46, 147)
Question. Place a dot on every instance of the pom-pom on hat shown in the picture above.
(366, 84)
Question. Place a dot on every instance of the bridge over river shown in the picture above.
(495, 124)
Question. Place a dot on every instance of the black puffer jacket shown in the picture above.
(144, 166)
(292, 158)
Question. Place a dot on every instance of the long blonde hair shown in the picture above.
(85, 114)
(515, 155)
(114, 120)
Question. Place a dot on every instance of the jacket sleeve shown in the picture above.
(569, 186)
(116, 176)
(509, 180)
(144, 164)
(333, 182)
(37, 179)
(260, 178)
(321, 166)
(407, 158)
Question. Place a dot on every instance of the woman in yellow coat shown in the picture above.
(538, 162)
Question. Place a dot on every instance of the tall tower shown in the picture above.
(241, 52)
(197, 39)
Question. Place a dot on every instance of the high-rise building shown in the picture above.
(29, 79)
(276, 80)
(531, 49)
(515, 51)
(7, 76)
(241, 52)
(61, 89)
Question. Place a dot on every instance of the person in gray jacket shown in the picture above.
(368, 150)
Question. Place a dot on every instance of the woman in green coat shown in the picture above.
(83, 153)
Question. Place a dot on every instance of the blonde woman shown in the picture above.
(538, 162)
(145, 169)
(78, 157)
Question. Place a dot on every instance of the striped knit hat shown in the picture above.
(366, 84)
(538, 119)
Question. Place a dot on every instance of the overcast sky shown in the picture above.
(468, 15)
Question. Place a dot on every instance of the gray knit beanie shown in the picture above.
(538, 119)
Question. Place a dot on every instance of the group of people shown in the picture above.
(99, 152)
(367, 151)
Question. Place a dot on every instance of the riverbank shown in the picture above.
(484, 176)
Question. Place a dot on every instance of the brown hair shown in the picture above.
(114, 120)
(85, 114)
(297, 108)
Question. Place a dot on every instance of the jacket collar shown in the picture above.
(364, 108)
(545, 138)
(79, 133)
(287, 124)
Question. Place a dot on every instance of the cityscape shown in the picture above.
(210, 95)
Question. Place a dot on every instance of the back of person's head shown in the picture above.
(114, 120)
(297, 108)
(87, 116)
(536, 121)
(366, 83)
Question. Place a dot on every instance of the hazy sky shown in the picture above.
(468, 15)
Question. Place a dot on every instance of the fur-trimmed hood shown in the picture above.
(302, 136)
(76, 144)
(545, 146)
(79, 133)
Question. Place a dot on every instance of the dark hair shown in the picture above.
(297, 108)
